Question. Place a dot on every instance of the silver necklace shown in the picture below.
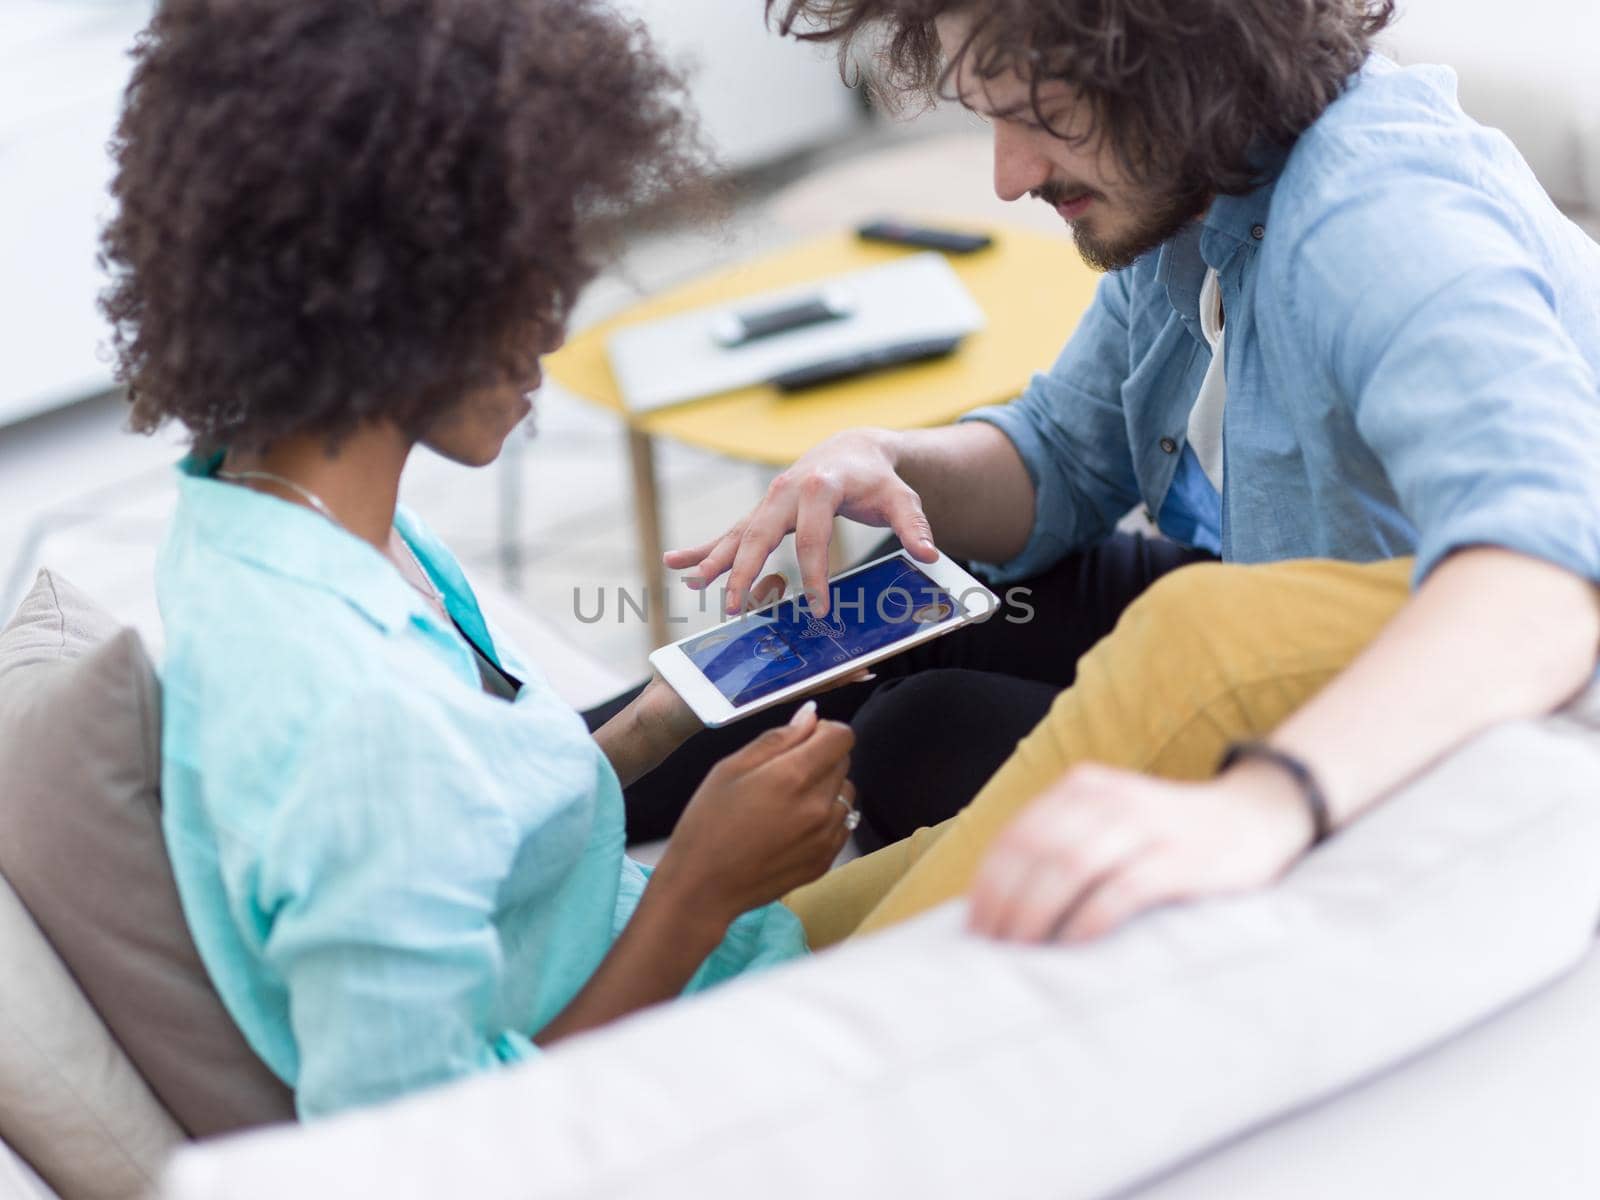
(433, 594)
(305, 493)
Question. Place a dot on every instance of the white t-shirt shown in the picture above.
(1205, 419)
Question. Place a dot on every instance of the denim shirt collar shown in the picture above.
(1212, 242)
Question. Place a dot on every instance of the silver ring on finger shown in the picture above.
(852, 817)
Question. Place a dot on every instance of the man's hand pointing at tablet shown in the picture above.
(850, 475)
(966, 482)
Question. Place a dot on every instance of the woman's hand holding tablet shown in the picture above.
(767, 819)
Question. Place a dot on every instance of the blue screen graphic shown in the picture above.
(876, 607)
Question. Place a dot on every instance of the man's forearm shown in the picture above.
(1490, 636)
(975, 490)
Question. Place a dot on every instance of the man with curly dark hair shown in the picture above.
(346, 230)
(1340, 322)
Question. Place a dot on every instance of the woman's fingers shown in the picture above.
(813, 760)
(845, 827)
(774, 742)
(827, 816)
(837, 783)
(844, 787)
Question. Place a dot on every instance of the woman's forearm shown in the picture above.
(640, 737)
(1490, 636)
(629, 748)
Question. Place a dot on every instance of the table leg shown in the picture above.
(509, 522)
(647, 520)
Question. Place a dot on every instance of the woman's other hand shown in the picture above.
(766, 820)
(1104, 845)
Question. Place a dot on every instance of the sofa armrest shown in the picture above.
(926, 1062)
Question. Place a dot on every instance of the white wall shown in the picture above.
(62, 71)
(759, 96)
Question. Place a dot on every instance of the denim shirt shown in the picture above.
(393, 878)
(1412, 354)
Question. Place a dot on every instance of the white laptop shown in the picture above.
(679, 358)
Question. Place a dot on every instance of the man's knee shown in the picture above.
(1310, 609)
(1183, 606)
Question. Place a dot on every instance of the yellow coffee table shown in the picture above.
(1032, 288)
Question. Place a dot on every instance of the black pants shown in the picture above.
(941, 718)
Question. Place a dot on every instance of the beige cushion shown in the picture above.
(81, 843)
(71, 1103)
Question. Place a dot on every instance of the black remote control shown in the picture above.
(741, 328)
(903, 233)
(848, 366)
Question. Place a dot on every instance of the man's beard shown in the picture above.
(1159, 216)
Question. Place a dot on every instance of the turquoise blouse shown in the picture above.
(393, 878)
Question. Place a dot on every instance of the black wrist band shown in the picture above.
(1310, 790)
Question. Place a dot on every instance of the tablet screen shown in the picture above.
(778, 647)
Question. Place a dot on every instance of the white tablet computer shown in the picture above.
(780, 652)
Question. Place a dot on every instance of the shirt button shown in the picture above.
(1258, 232)
(1168, 446)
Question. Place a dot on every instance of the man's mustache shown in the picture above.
(1055, 193)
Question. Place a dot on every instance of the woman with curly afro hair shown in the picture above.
(346, 230)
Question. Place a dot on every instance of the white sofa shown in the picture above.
(62, 70)
(1361, 1027)
(926, 1062)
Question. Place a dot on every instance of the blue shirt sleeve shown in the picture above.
(1433, 311)
(1069, 428)
(377, 884)
(763, 937)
